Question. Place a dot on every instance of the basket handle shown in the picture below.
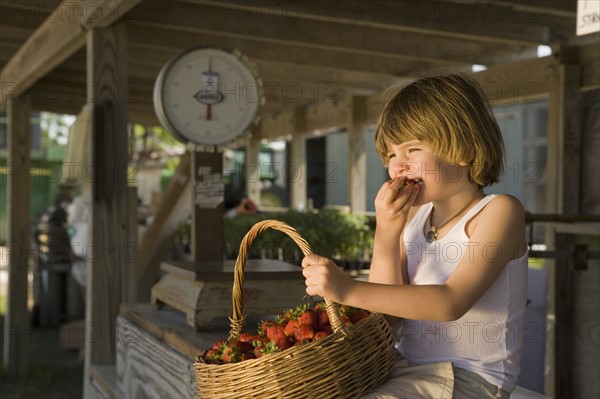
(238, 319)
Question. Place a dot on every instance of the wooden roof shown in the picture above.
(305, 51)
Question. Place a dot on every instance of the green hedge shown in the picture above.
(331, 233)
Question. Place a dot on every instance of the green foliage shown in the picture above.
(330, 233)
(2, 304)
(54, 128)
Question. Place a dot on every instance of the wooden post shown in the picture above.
(207, 207)
(562, 193)
(131, 248)
(297, 168)
(357, 158)
(19, 235)
(252, 174)
(107, 91)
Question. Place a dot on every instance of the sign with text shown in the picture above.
(588, 17)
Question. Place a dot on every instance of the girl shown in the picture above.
(448, 259)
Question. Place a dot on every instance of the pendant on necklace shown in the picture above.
(431, 236)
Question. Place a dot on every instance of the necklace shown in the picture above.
(433, 230)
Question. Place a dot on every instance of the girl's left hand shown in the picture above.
(324, 278)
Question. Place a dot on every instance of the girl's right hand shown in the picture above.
(394, 199)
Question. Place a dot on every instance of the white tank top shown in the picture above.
(487, 340)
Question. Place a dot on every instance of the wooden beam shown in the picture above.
(466, 20)
(540, 7)
(57, 38)
(517, 82)
(306, 119)
(324, 56)
(297, 85)
(277, 125)
(103, 13)
(279, 78)
(357, 158)
(253, 184)
(588, 57)
(107, 71)
(19, 236)
(314, 33)
(44, 9)
(129, 292)
(297, 169)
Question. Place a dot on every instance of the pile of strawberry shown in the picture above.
(294, 327)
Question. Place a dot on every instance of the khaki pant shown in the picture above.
(471, 385)
(437, 380)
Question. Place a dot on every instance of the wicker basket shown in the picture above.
(343, 365)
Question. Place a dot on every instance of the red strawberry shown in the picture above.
(258, 351)
(320, 335)
(220, 344)
(263, 326)
(212, 356)
(358, 315)
(345, 319)
(290, 327)
(287, 315)
(327, 329)
(244, 346)
(304, 332)
(248, 356)
(282, 341)
(246, 337)
(260, 341)
(310, 318)
(269, 347)
(231, 354)
(322, 318)
(273, 330)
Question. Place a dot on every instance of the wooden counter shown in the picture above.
(156, 350)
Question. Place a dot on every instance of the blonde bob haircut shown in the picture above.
(451, 114)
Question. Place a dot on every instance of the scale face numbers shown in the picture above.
(207, 97)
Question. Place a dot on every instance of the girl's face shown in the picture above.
(416, 160)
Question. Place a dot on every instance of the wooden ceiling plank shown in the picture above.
(163, 38)
(103, 13)
(43, 8)
(520, 82)
(561, 8)
(469, 20)
(319, 34)
(278, 77)
(21, 18)
(57, 38)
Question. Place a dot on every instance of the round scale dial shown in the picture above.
(207, 97)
